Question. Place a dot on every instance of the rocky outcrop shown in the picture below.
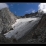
(31, 15)
(41, 28)
(6, 20)
(4, 40)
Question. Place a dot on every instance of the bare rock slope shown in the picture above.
(6, 20)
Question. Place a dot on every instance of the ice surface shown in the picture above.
(21, 26)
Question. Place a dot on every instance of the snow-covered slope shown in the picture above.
(21, 27)
(19, 21)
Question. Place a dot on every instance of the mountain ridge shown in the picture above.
(6, 19)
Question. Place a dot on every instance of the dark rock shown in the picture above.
(11, 28)
(4, 40)
(31, 15)
(35, 36)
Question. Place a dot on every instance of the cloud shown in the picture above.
(42, 7)
(33, 11)
(3, 5)
(28, 10)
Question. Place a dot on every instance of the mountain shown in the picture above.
(31, 15)
(40, 30)
(37, 34)
(7, 18)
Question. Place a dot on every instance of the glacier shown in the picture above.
(21, 27)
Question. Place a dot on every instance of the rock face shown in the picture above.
(30, 15)
(6, 20)
(4, 40)
(41, 28)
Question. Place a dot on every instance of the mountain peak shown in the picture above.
(3, 5)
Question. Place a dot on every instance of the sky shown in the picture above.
(20, 9)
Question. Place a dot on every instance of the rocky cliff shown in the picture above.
(7, 18)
